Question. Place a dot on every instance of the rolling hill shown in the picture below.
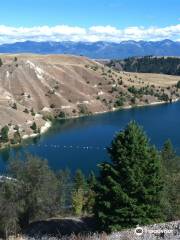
(35, 88)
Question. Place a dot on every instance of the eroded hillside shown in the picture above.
(34, 88)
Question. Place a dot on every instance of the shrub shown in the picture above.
(178, 84)
(26, 110)
(120, 102)
(14, 106)
(4, 134)
(1, 63)
(164, 97)
(34, 127)
(52, 105)
(83, 109)
(62, 114)
(16, 138)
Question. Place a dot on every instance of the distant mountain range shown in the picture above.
(97, 50)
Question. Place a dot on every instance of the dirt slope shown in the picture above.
(34, 87)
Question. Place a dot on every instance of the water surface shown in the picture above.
(64, 144)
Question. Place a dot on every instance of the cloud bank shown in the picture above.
(91, 34)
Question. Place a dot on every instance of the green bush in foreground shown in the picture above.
(129, 188)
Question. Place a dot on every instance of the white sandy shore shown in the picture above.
(42, 130)
(45, 127)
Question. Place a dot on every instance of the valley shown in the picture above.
(35, 89)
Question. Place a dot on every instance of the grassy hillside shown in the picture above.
(34, 88)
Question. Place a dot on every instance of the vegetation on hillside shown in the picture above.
(148, 64)
(5, 140)
(4, 134)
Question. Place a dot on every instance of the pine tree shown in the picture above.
(78, 196)
(78, 202)
(90, 194)
(4, 134)
(168, 155)
(79, 180)
(168, 151)
(129, 188)
(171, 164)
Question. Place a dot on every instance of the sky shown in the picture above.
(89, 20)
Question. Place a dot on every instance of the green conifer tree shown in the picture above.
(4, 134)
(171, 164)
(90, 194)
(79, 180)
(129, 188)
(168, 155)
(78, 195)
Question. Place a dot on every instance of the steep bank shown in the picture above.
(36, 88)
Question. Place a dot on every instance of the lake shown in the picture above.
(80, 143)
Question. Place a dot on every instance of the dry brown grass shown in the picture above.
(51, 84)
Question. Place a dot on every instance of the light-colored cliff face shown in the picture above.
(33, 86)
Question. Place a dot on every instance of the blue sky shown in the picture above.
(85, 14)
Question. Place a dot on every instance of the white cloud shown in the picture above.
(92, 34)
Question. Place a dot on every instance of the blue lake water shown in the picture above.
(65, 144)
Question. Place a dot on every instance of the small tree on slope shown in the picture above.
(129, 188)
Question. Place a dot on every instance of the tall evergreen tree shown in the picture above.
(171, 164)
(4, 134)
(79, 180)
(168, 152)
(129, 188)
(90, 194)
(168, 156)
(78, 195)
(64, 189)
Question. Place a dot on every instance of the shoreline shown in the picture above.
(43, 130)
(49, 124)
(123, 108)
